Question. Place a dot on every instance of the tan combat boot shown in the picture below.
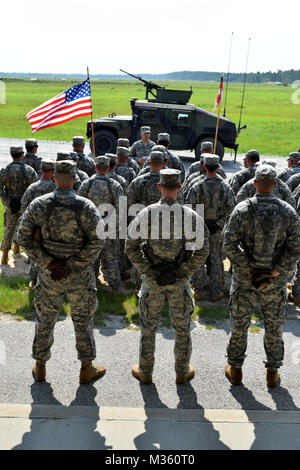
(90, 372)
(272, 377)
(189, 375)
(4, 259)
(16, 248)
(234, 374)
(138, 375)
(39, 371)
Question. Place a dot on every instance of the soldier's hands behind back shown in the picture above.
(260, 278)
(59, 270)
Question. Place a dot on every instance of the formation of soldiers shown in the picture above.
(52, 213)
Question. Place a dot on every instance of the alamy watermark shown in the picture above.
(296, 94)
(162, 222)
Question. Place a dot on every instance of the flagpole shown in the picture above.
(218, 120)
(92, 122)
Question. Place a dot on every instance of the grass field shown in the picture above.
(273, 121)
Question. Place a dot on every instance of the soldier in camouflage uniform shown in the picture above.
(122, 142)
(206, 147)
(196, 176)
(157, 148)
(173, 161)
(101, 189)
(166, 265)
(122, 168)
(44, 185)
(14, 180)
(80, 175)
(58, 231)
(112, 174)
(294, 296)
(293, 167)
(142, 148)
(31, 157)
(281, 190)
(85, 163)
(293, 182)
(218, 200)
(261, 240)
(240, 178)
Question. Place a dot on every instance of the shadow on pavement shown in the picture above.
(59, 433)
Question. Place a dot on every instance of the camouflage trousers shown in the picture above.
(32, 271)
(80, 289)
(296, 283)
(151, 301)
(213, 277)
(10, 225)
(243, 300)
(110, 257)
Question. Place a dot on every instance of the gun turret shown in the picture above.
(147, 84)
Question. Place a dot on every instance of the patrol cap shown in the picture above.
(123, 151)
(207, 145)
(65, 166)
(74, 156)
(163, 136)
(47, 165)
(210, 159)
(156, 156)
(265, 173)
(112, 157)
(63, 156)
(30, 143)
(102, 160)
(252, 155)
(159, 148)
(268, 161)
(16, 151)
(294, 156)
(78, 140)
(170, 177)
(123, 142)
(145, 129)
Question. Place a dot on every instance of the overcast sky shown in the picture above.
(148, 36)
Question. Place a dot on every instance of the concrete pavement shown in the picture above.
(85, 427)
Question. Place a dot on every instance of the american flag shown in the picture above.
(69, 104)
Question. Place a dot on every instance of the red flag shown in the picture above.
(219, 98)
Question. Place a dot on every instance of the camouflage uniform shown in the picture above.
(40, 187)
(263, 233)
(196, 168)
(68, 231)
(101, 189)
(120, 179)
(140, 150)
(14, 180)
(240, 178)
(286, 174)
(296, 279)
(124, 170)
(293, 182)
(173, 162)
(133, 164)
(152, 295)
(281, 191)
(86, 164)
(34, 161)
(218, 200)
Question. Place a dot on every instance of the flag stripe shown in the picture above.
(65, 120)
(61, 117)
(58, 99)
(57, 110)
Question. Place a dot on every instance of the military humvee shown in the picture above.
(168, 111)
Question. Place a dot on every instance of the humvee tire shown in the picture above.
(219, 149)
(105, 142)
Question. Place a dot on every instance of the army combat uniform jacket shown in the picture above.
(281, 191)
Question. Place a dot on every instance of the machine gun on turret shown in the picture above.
(148, 85)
